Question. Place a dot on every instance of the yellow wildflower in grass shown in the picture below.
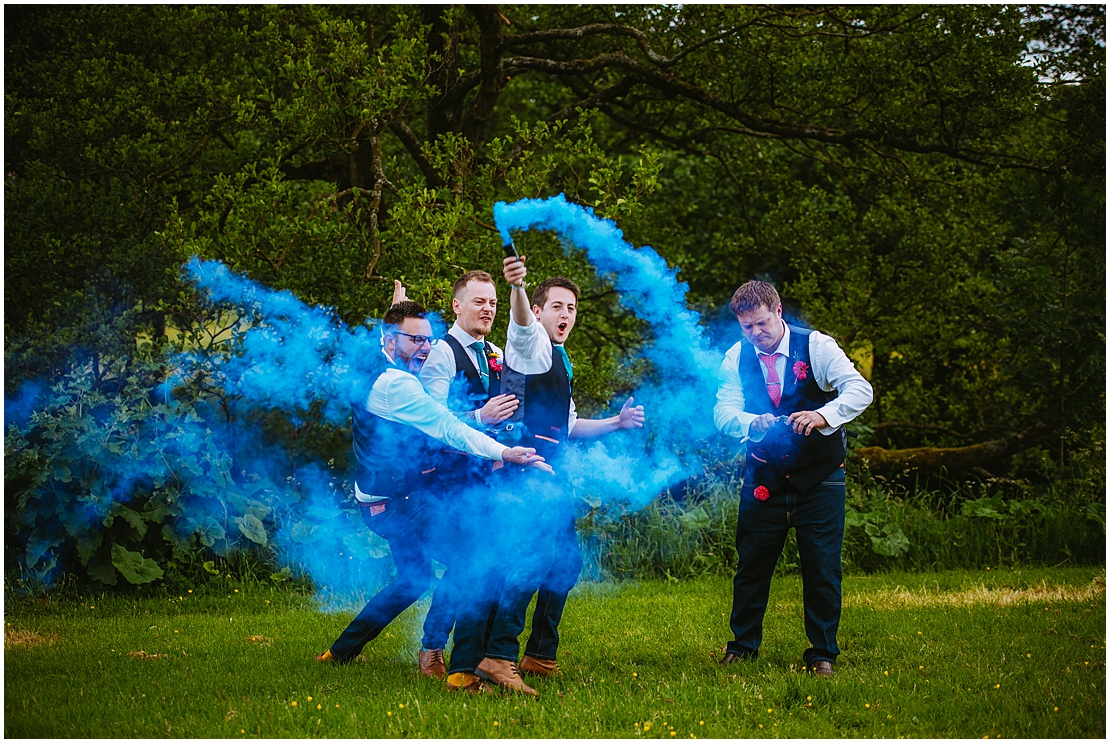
(672, 732)
(868, 706)
(400, 706)
(319, 706)
(294, 704)
(190, 590)
(886, 673)
(236, 590)
(496, 723)
(702, 722)
(310, 699)
(389, 714)
(634, 674)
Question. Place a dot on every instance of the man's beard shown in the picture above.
(411, 364)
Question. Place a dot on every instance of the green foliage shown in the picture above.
(116, 476)
(886, 528)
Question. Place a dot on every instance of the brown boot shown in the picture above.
(538, 667)
(504, 674)
(431, 663)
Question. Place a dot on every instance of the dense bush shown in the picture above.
(886, 528)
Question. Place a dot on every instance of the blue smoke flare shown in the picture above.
(679, 404)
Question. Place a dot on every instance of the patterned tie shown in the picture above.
(774, 386)
(483, 364)
(566, 362)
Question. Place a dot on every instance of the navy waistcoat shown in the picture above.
(783, 455)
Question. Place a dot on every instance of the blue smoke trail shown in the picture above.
(679, 403)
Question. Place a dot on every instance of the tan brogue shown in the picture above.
(505, 674)
(538, 667)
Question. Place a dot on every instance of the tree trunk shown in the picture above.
(933, 460)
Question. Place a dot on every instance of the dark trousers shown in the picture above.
(553, 569)
(414, 526)
(761, 528)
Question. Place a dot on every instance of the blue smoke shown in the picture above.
(679, 400)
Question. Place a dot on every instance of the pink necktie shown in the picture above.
(774, 387)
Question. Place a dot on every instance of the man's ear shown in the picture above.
(536, 310)
(455, 306)
(390, 343)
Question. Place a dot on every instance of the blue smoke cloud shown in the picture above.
(679, 402)
(295, 359)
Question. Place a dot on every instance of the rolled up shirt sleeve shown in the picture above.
(404, 400)
(527, 347)
(833, 370)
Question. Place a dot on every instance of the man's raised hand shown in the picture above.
(398, 293)
(514, 270)
(499, 408)
(631, 417)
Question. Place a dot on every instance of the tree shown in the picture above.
(906, 174)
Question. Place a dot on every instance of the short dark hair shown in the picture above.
(466, 278)
(539, 296)
(397, 314)
(752, 296)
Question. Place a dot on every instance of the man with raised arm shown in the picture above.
(788, 392)
(538, 368)
(395, 427)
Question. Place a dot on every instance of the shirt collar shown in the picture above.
(462, 336)
(784, 344)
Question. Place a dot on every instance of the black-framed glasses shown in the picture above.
(419, 340)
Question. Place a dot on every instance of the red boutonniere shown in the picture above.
(762, 493)
(494, 362)
(801, 370)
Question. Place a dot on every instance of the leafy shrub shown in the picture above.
(694, 534)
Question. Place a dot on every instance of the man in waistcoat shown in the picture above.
(393, 430)
(463, 372)
(538, 368)
(788, 392)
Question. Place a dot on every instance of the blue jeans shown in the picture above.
(414, 526)
(553, 569)
(761, 528)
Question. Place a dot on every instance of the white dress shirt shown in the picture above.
(398, 396)
(831, 368)
(528, 351)
(439, 370)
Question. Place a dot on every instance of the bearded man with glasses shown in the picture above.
(394, 429)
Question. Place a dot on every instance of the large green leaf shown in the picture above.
(134, 567)
(252, 528)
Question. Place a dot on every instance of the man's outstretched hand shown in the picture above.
(527, 457)
(631, 417)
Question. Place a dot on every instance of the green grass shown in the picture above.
(1010, 653)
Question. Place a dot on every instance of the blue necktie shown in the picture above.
(483, 364)
(566, 362)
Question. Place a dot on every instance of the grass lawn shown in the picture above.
(1013, 653)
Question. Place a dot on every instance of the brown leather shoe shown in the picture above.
(822, 668)
(431, 663)
(505, 674)
(538, 667)
(731, 657)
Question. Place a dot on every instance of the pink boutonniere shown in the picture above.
(801, 370)
(762, 493)
(494, 362)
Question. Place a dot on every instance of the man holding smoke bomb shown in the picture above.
(788, 392)
(539, 370)
(394, 428)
